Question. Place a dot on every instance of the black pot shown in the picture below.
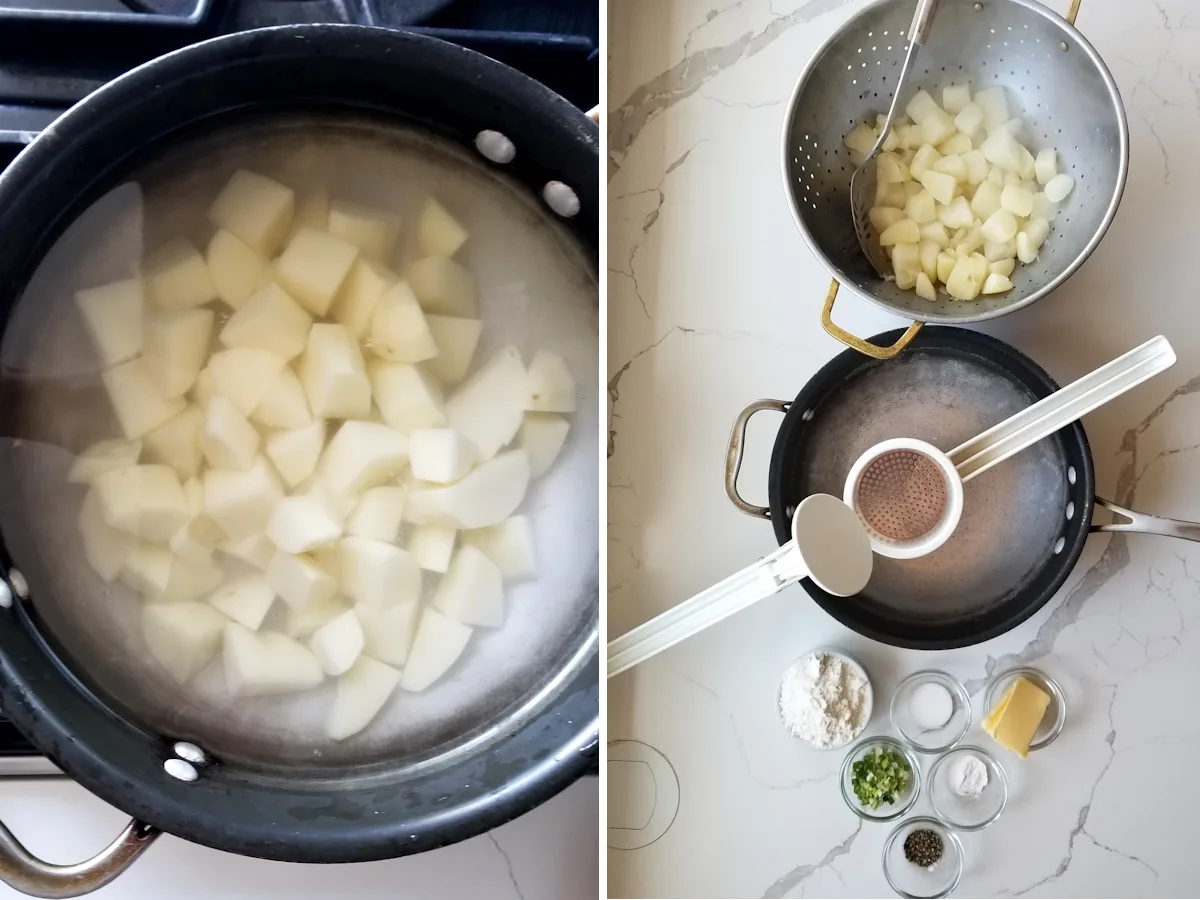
(1026, 582)
(542, 741)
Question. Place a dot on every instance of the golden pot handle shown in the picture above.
(1072, 11)
(26, 873)
(733, 455)
(853, 341)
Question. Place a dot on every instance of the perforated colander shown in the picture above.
(1055, 81)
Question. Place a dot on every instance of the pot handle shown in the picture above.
(1141, 523)
(856, 343)
(733, 454)
(23, 871)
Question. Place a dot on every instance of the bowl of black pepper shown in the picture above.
(922, 858)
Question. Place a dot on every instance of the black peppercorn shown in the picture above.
(923, 847)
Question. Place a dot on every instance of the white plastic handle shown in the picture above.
(1062, 407)
(757, 582)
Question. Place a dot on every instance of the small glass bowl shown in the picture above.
(907, 797)
(862, 673)
(910, 880)
(931, 740)
(1055, 717)
(966, 813)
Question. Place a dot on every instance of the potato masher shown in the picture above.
(909, 494)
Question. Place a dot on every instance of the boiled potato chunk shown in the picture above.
(299, 580)
(923, 160)
(362, 455)
(284, 405)
(1000, 226)
(440, 455)
(1002, 149)
(313, 267)
(919, 108)
(143, 500)
(942, 186)
(177, 277)
(936, 231)
(488, 495)
(354, 305)
(994, 105)
(112, 315)
(438, 232)
(906, 231)
(295, 452)
(443, 286)
(432, 546)
(955, 97)
(551, 385)
(147, 569)
(376, 573)
(986, 200)
(338, 643)
(925, 288)
(361, 694)
(937, 127)
(1003, 266)
(509, 545)
(996, 284)
(105, 548)
(241, 503)
(1045, 165)
(246, 600)
(970, 119)
(256, 209)
(103, 456)
(302, 524)
(456, 340)
(542, 436)
(399, 332)
(312, 211)
(137, 398)
(489, 406)
(952, 164)
(1058, 187)
(196, 539)
(1017, 200)
(884, 217)
(438, 644)
(182, 637)
(189, 580)
(334, 375)
(254, 549)
(269, 320)
(994, 252)
(966, 281)
(303, 623)
(407, 398)
(472, 591)
(958, 144)
(244, 374)
(176, 345)
(267, 663)
(373, 231)
(238, 270)
(920, 208)
(177, 442)
(955, 214)
(906, 263)
(229, 441)
(378, 513)
(389, 630)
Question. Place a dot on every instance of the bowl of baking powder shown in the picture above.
(825, 699)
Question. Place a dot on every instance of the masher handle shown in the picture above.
(1062, 407)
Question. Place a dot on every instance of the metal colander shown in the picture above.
(1055, 81)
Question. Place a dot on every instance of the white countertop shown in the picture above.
(714, 302)
(547, 854)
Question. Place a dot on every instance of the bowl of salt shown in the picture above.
(967, 788)
(931, 711)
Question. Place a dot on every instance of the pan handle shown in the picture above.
(23, 871)
(733, 454)
(853, 341)
(1141, 523)
(1072, 11)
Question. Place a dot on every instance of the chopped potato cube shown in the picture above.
(906, 231)
(925, 287)
(112, 315)
(438, 232)
(256, 209)
(399, 332)
(137, 398)
(238, 270)
(313, 267)
(443, 286)
(373, 231)
(270, 320)
(177, 277)
(333, 374)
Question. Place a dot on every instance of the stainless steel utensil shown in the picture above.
(863, 181)
(1055, 81)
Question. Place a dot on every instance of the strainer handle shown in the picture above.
(26, 873)
(733, 455)
(918, 31)
(856, 343)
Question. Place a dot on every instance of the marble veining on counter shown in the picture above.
(714, 302)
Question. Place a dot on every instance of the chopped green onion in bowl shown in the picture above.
(879, 777)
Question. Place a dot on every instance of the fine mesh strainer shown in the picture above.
(1055, 81)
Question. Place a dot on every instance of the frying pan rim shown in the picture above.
(193, 811)
(826, 381)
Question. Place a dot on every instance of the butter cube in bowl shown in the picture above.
(1012, 704)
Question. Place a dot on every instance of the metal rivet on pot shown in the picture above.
(19, 585)
(1059, 544)
(6, 596)
(186, 750)
(495, 146)
(1070, 511)
(180, 769)
(561, 199)
(1071, 474)
(978, 7)
(1062, 45)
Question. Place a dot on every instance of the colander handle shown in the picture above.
(856, 343)
(733, 455)
(22, 870)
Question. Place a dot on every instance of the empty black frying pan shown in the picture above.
(1024, 523)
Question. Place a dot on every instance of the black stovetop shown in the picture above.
(55, 52)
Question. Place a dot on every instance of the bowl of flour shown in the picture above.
(825, 699)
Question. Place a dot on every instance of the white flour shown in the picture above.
(823, 700)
